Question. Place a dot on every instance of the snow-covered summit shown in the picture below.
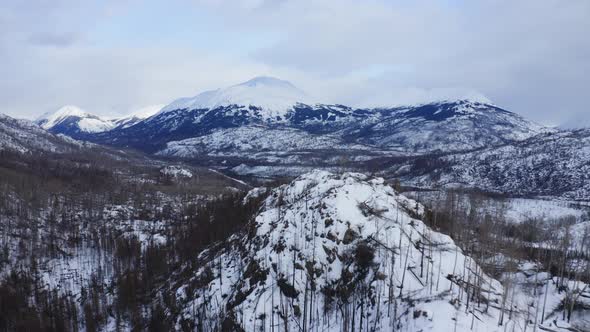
(75, 119)
(273, 95)
(50, 118)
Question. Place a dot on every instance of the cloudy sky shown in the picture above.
(112, 57)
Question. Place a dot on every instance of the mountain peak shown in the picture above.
(50, 119)
(67, 110)
(274, 96)
(71, 116)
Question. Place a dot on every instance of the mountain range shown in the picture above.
(74, 122)
(267, 127)
(228, 122)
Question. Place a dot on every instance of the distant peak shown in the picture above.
(64, 111)
(274, 96)
(85, 121)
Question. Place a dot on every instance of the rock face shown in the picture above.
(340, 253)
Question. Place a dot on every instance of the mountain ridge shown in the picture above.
(72, 121)
(459, 125)
(268, 101)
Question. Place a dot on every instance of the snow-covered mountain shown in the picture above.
(79, 124)
(447, 126)
(270, 124)
(345, 252)
(273, 96)
(73, 121)
(438, 127)
(211, 122)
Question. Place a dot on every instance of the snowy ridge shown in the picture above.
(24, 136)
(439, 127)
(136, 116)
(452, 126)
(74, 116)
(225, 118)
(79, 124)
(327, 135)
(554, 164)
(48, 120)
(330, 251)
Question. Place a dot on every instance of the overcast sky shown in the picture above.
(112, 57)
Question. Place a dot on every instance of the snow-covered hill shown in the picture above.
(556, 164)
(24, 136)
(344, 253)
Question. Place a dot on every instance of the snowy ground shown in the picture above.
(516, 210)
(306, 236)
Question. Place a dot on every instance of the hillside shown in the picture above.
(346, 252)
(556, 164)
(25, 137)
